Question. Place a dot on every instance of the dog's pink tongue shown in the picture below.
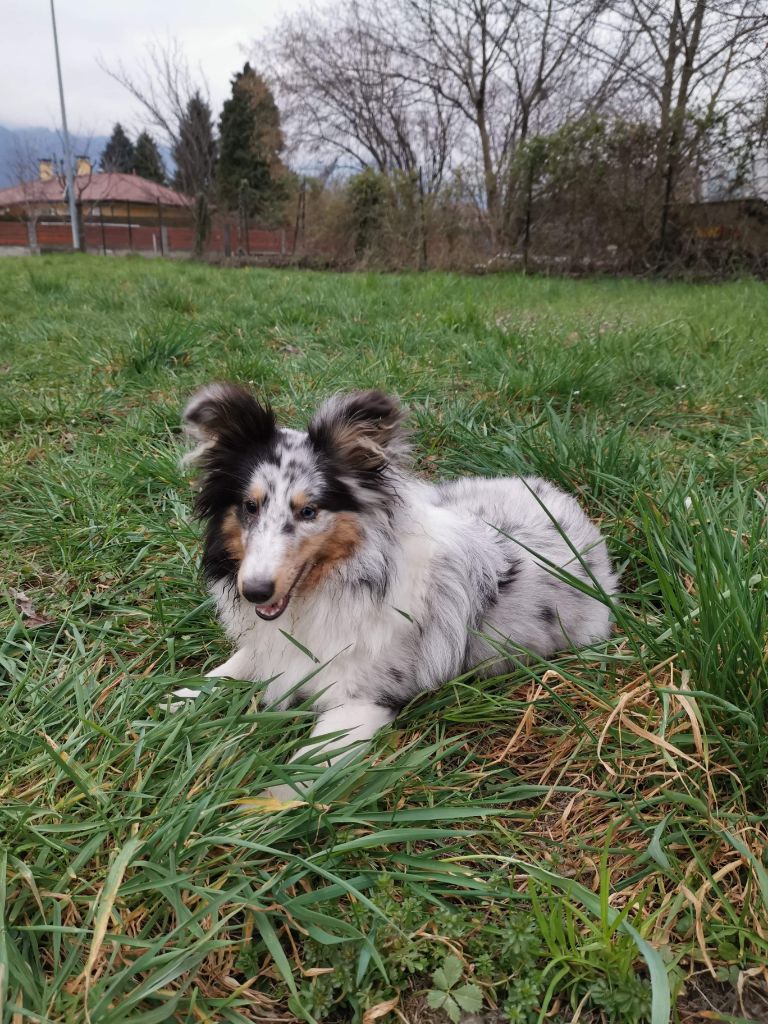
(273, 609)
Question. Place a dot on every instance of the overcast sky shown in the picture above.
(212, 32)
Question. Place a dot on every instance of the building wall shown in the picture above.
(142, 213)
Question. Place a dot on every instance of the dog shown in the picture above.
(339, 574)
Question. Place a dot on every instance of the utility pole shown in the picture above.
(67, 146)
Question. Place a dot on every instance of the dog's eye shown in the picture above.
(251, 506)
(308, 512)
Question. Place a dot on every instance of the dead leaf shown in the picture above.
(27, 611)
(266, 804)
(380, 1010)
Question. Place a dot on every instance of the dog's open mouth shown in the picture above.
(273, 611)
(276, 609)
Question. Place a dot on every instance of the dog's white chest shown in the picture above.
(336, 637)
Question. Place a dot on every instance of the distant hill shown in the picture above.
(42, 142)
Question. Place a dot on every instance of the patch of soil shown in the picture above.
(708, 1000)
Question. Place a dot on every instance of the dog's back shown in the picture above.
(547, 549)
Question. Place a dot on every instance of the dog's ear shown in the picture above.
(229, 416)
(363, 429)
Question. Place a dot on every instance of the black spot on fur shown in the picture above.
(375, 585)
(386, 699)
(548, 615)
(376, 580)
(510, 574)
(398, 695)
(289, 527)
(335, 495)
(273, 455)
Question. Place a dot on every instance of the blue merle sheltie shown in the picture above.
(338, 573)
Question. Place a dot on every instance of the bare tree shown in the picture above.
(559, 76)
(344, 92)
(490, 91)
(24, 166)
(690, 63)
(456, 49)
(509, 68)
(166, 89)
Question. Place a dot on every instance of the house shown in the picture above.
(99, 194)
(117, 211)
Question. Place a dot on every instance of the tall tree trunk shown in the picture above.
(674, 128)
(202, 223)
(490, 180)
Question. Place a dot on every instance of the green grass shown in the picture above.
(587, 833)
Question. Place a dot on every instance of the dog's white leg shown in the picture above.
(357, 722)
(235, 667)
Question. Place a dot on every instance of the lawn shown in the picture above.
(584, 840)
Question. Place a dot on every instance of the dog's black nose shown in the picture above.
(258, 591)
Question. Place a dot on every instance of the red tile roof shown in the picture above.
(99, 188)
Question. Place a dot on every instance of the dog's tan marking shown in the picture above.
(321, 552)
(337, 543)
(257, 493)
(298, 500)
(232, 532)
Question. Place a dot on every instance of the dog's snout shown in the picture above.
(258, 591)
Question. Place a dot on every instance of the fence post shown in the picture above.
(130, 229)
(160, 225)
(103, 234)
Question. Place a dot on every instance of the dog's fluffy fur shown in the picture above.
(391, 583)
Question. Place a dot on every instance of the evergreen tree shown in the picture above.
(117, 156)
(147, 162)
(195, 151)
(251, 175)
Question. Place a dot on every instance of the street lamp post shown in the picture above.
(67, 146)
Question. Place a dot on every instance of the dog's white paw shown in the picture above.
(185, 694)
(283, 794)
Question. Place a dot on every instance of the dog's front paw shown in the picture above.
(185, 695)
(279, 796)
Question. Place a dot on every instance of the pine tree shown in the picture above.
(195, 151)
(147, 162)
(117, 156)
(251, 175)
